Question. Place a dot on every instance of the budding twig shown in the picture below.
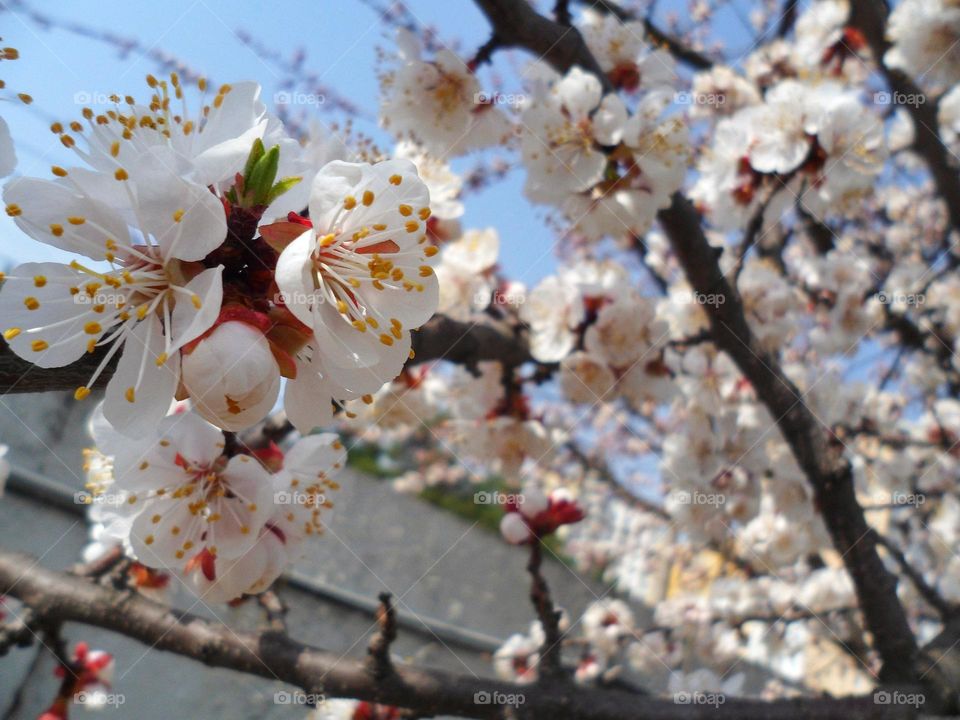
(379, 649)
(550, 660)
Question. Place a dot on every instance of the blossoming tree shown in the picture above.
(737, 397)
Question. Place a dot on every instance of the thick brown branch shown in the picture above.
(870, 17)
(675, 47)
(442, 338)
(66, 598)
(821, 460)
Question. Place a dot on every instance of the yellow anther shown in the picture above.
(178, 215)
(58, 171)
(14, 210)
(405, 210)
(115, 148)
(349, 202)
(431, 250)
(11, 333)
(56, 229)
(121, 174)
(386, 339)
(368, 198)
(39, 345)
(424, 213)
(395, 179)
(161, 359)
(92, 328)
(412, 226)
(130, 395)
(76, 220)
(195, 299)
(31, 302)
(81, 393)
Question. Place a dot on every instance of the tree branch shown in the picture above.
(870, 17)
(821, 460)
(60, 597)
(441, 338)
(675, 47)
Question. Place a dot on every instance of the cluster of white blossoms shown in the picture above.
(196, 276)
(438, 103)
(226, 524)
(180, 287)
(608, 170)
(816, 146)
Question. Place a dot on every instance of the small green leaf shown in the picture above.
(256, 152)
(281, 187)
(263, 175)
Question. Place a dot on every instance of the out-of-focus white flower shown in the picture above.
(444, 184)
(438, 103)
(606, 623)
(586, 378)
(926, 40)
(518, 658)
(564, 132)
(623, 53)
(465, 273)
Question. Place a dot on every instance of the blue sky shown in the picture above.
(339, 38)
